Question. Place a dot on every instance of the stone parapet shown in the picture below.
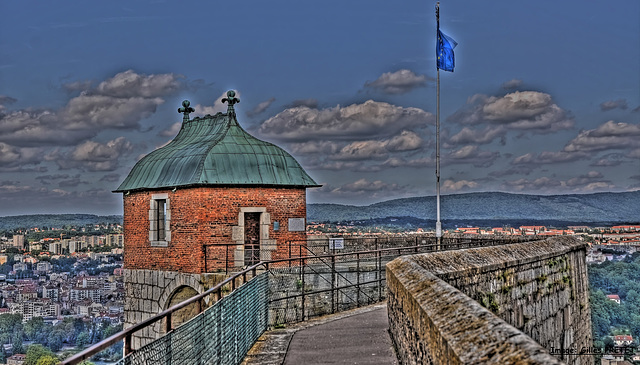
(515, 303)
(149, 292)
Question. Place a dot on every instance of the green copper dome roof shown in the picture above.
(215, 150)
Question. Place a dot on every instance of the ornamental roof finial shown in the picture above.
(186, 109)
(231, 100)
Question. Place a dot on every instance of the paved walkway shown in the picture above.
(359, 336)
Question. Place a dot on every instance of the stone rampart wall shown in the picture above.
(149, 292)
(499, 304)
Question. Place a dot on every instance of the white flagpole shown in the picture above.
(438, 223)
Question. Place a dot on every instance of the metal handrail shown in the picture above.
(127, 333)
(218, 289)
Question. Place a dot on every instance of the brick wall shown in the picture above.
(201, 218)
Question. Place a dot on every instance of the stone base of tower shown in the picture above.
(149, 292)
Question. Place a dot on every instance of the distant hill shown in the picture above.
(55, 220)
(481, 209)
(490, 207)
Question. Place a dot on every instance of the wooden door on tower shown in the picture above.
(251, 238)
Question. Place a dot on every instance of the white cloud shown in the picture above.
(474, 136)
(120, 102)
(93, 156)
(460, 185)
(473, 155)
(261, 107)
(512, 84)
(521, 110)
(613, 104)
(11, 156)
(357, 121)
(610, 135)
(378, 149)
(217, 107)
(129, 84)
(171, 131)
(399, 82)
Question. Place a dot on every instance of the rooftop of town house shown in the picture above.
(215, 150)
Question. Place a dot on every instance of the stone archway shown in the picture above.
(179, 295)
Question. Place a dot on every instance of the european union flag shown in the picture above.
(444, 52)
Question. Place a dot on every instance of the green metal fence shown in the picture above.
(222, 334)
(322, 279)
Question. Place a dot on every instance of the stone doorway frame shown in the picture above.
(267, 246)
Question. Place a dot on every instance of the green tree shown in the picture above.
(55, 339)
(47, 360)
(16, 341)
(35, 352)
(83, 339)
(33, 327)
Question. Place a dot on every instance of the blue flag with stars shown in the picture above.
(444, 52)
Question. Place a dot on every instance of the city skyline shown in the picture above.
(544, 99)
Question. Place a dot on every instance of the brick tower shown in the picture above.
(213, 199)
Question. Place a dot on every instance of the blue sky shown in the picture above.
(545, 97)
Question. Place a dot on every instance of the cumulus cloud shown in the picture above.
(93, 156)
(613, 104)
(520, 111)
(460, 185)
(172, 131)
(314, 147)
(48, 179)
(76, 86)
(635, 153)
(587, 179)
(473, 155)
(473, 136)
(363, 185)
(607, 136)
(512, 84)
(130, 84)
(379, 149)
(399, 82)
(7, 100)
(611, 159)
(589, 182)
(261, 107)
(86, 112)
(540, 184)
(362, 150)
(12, 157)
(309, 103)
(217, 107)
(548, 157)
(120, 102)
(110, 178)
(610, 135)
(370, 119)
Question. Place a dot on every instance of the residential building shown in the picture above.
(623, 340)
(614, 297)
(18, 241)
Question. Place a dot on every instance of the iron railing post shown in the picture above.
(357, 280)
(333, 284)
(127, 344)
(302, 271)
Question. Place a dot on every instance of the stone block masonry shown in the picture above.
(149, 292)
(518, 303)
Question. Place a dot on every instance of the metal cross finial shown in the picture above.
(186, 109)
(231, 100)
